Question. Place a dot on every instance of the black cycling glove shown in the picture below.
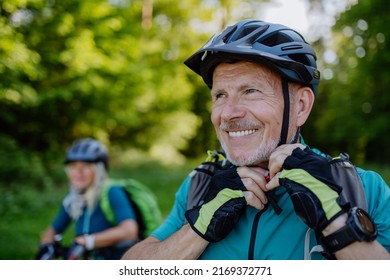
(46, 252)
(222, 207)
(314, 192)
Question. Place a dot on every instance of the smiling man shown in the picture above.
(275, 198)
(246, 112)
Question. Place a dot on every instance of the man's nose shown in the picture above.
(232, 110)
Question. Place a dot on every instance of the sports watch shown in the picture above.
(359, 227)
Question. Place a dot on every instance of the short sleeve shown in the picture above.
(176, 219)
(120, 204)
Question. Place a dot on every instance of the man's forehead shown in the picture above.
(225, 70)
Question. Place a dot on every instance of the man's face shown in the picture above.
(247, 111)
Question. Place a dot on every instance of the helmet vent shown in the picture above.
(85, 148)
(227, 38)
(300, 58)
(233, 35)
(246, 31)
(96, 150)
(275, 39)
(292, 47)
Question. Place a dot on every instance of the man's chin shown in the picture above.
(244, 160)
(250, 156)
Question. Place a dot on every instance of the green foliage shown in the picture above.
(23, 172)
(30, 192)
(87, 68)
(354, 106)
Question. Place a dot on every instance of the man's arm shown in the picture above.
(357, 250)
(363, 251)
(183, 244)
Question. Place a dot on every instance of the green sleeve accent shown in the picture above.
(207, 210)
(324, 193)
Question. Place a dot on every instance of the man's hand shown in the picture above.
(222, 207)
(313, 191)
(254, 180)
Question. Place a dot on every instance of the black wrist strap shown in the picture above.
(338, 240)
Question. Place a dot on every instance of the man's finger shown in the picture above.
(253, 200)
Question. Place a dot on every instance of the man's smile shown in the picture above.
(241, 133)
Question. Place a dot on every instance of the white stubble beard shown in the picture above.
(260, 155)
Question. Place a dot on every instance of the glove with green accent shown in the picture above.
(222, 207)
(312, 188)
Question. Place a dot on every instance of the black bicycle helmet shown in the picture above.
(88, 150)
(273, 45)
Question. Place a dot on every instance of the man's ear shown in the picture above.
(304, 104)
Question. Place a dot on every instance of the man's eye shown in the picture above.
(251, 90)
(219, 96)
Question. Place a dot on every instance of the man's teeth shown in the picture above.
(241, 133)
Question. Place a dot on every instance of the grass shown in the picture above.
(32, 210)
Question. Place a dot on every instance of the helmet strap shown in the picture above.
(286, 113)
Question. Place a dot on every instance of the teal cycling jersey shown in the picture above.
(269, 236)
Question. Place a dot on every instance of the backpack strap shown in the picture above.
(201, 177)
(353, 192)
(353, 189)
(105, 203)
